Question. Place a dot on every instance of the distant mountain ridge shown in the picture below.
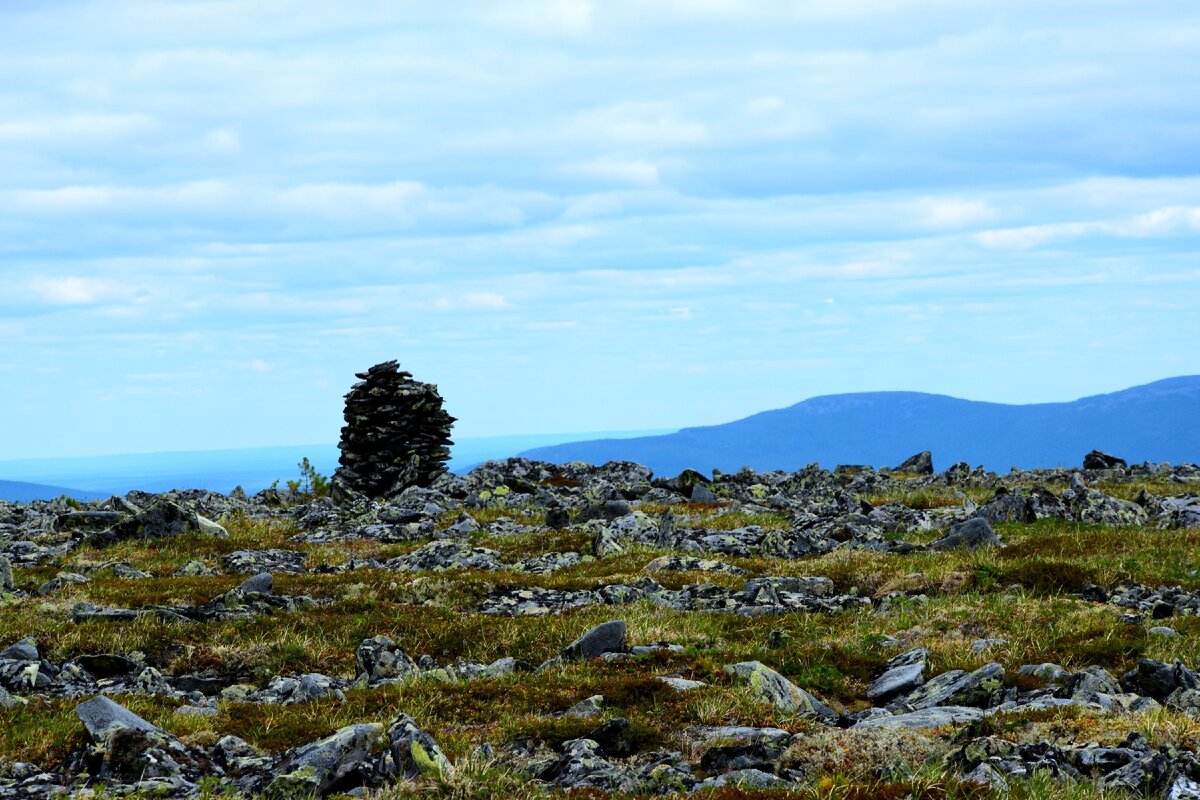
(23, 492)
(1159, 421)
(251, 468)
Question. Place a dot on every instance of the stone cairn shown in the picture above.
(396, 435)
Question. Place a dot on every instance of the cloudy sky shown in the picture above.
(578, 216)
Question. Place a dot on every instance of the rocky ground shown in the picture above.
(529, 630)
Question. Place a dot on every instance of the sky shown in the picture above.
(580, 215)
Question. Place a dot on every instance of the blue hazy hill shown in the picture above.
(221, 470)
(23, 492)
(1156, 422)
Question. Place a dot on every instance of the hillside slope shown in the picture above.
(1154, 422)
(22, 492)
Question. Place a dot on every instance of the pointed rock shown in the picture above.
(607, 637)
(771, 687)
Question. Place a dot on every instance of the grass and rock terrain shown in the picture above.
(531, 630)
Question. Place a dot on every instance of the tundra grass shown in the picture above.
(1021, 594)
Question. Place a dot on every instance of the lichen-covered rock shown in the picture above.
(253, 562)
(583, 766)
(547, 563)
(380, 660)
(981, 688)
(287, 691)
(1090, 505)
(313, 769)
(442, 555)
(771, 687)
(413, 752)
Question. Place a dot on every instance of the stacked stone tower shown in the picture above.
(396, 435)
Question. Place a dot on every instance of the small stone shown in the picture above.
(743, 779)
(1164, 632)
(1050, 673)
(6, 574)
(262, 583)
(196, 569)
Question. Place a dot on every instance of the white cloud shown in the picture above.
(556, 18)
(954, 212)
(345, 201)
(70, 290)
(618, 171)
(77, 128)
(1160, 222)
(472, 301)
(765, 105)
(649, 124)
(222, 141)
(259, 365)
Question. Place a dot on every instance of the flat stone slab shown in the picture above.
(934, 717)
(100, 715)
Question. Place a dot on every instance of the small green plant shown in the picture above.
(311, 482)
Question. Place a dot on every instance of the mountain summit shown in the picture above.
(1154, 422)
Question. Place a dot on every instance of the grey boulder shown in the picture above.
(969, 535)
(607, 637)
